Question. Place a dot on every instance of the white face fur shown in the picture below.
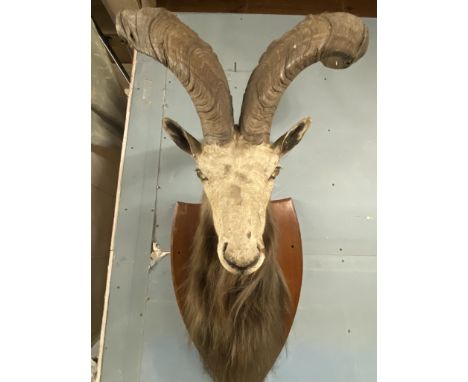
(238, 178)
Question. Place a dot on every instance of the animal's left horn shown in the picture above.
(336, 39)
(158, 33)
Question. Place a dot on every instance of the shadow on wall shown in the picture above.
(108, 103)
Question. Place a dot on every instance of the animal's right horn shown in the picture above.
(336, 39)
(158, 33)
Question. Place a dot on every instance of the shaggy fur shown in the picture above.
(236, 321)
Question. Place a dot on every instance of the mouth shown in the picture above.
(243, 268)
(248, 269)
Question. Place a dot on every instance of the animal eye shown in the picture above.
(201, 175)
(275, 173)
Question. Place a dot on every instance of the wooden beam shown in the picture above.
(103, 20)
(106, 26)
(363, 8)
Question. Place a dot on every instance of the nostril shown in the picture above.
(225, 247)
(249, 235)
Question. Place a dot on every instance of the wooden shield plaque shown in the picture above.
(289, 254)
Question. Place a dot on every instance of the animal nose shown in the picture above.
(240, 266)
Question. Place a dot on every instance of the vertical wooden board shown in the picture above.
(168, 356)
(133, 230)
(333, 338)
(105, 167)
(231, 35)
(337, 155)
(331, 174)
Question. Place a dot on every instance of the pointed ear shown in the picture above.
(181, 138)
(292, 137)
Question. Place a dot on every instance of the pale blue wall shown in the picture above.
(334, 335)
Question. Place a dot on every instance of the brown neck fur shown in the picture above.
(236, 321)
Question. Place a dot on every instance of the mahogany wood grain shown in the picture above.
(289, 254)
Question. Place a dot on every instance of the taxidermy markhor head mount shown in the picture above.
(237, 164)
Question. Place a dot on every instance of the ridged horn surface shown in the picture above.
(158, 33)
(336, 39)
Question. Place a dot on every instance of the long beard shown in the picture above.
(237, 322)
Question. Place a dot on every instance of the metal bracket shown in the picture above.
(156, 255)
